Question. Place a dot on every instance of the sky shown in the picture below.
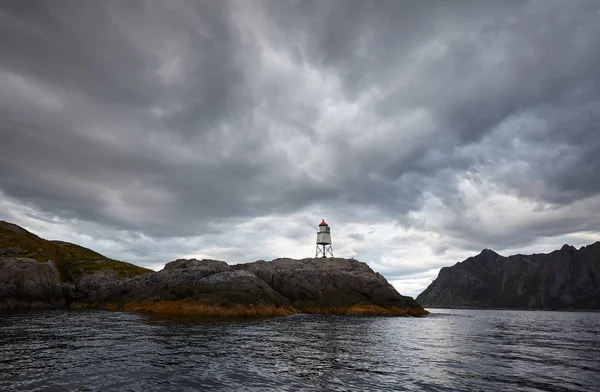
(422, 132)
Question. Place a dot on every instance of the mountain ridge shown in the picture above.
(566, 278)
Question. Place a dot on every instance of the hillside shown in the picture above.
(568, 278)
(72, 261)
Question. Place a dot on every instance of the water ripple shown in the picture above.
(452, 350)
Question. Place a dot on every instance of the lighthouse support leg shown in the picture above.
(324, 251)
(328, 250)
(320, 251)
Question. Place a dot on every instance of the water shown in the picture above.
(449, 350)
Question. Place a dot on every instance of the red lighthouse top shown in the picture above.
(323, 223)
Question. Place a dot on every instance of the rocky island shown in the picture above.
(36, 273)
(568, 278)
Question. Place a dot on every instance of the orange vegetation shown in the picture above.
(365, 310)
(200, 308)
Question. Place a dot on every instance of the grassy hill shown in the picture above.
(72, 260)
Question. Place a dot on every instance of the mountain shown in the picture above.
(564, 279)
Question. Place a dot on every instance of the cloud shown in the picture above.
(423, 132)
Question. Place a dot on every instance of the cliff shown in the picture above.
(564, 279)
(38, 273)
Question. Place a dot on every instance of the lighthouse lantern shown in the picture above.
(324, 248)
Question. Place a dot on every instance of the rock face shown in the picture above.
(90, 288)
(564, 279)
(192, 287)
(29, 284)
(333, 285)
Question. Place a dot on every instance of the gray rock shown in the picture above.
(310, 285)
(92, 287)
(26, 283)
(324, 283)
(207, 280)
(564, 279)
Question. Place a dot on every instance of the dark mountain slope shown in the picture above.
(564, 279)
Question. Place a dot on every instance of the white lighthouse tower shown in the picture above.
(324, 241)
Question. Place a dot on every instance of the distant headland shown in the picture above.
(566, 279)
(37, 273)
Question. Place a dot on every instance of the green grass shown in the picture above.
(72, 260)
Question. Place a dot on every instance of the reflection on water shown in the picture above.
(447, 351)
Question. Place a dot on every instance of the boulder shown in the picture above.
(29, 284)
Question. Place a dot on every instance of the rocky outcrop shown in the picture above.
(39, 273)
(189, 287)
(29, 284)
(333, 285)
(279, 287)
(564, 279)
(90, 288)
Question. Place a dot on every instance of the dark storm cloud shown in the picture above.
(488, 61)
(485, 67)
(173, 118)
(113, 118)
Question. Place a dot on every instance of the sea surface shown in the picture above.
(450, 350)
